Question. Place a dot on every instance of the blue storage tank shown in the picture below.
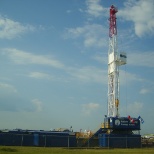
(36, 139)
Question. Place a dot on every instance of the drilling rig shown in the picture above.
(117, 131)
(115, 59)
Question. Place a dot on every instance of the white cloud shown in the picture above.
(141, 14)
(68, 11)
(94, 8)
(141, 59)
(101, 58)
(22, 57)
(92, 35)
(38, 104)
(7, 87)
(85, 74)
(127, 78)
(89, 74)
(87, 109)
(40, 75)
(10, 29)
(144, 91)
(135, 108)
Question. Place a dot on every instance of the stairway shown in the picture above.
(92, 141)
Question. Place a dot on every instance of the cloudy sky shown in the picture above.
(53, 62)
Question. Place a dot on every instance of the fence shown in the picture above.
(116, 141)
(38, 140)
(61, 140)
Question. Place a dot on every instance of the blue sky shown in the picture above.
(53, 62)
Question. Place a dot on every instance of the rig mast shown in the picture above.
(117, 131)
(115, 59)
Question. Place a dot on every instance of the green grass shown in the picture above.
(42, 150)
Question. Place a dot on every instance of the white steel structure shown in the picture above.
(115, 59)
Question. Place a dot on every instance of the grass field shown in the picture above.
(41, 150)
